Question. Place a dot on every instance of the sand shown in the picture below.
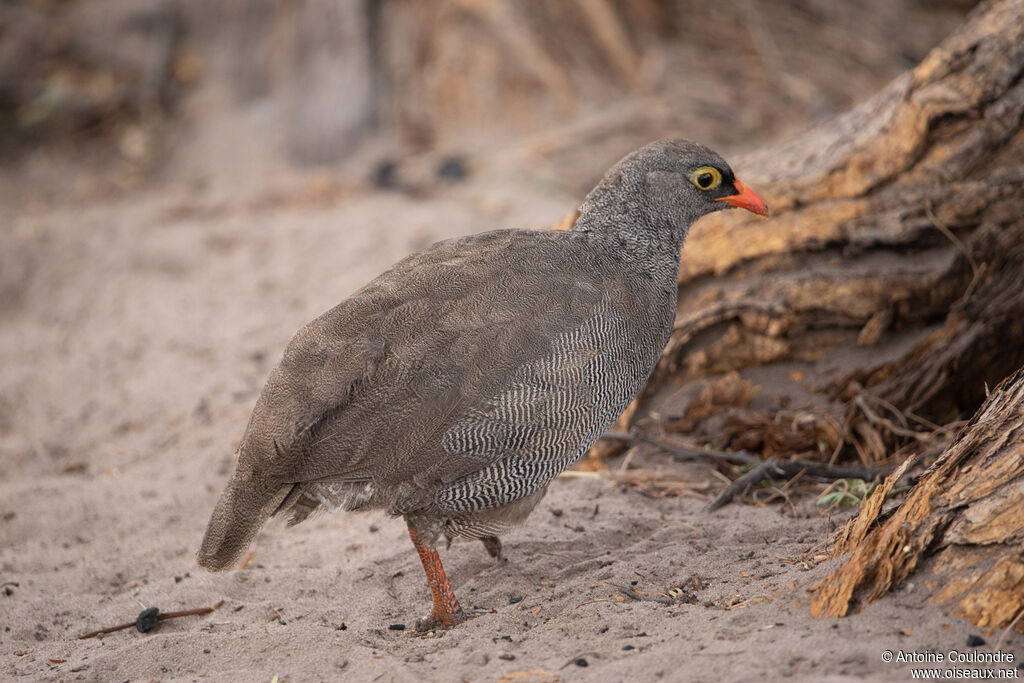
(136, 335)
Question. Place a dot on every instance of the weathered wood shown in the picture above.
(887, 290)
(872, 315)
(963, 523)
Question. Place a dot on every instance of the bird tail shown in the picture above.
(246, 503)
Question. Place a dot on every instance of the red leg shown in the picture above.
(446, 607)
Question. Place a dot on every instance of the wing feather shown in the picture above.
(494, 358)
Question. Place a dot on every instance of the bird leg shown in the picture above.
(447, 611)
(493, 546)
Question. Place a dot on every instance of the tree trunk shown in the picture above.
(886, 292)
(963, 523)
(869, 317)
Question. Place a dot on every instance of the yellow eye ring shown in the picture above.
(706, 178)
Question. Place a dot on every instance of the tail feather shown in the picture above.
(298, 505)
(243, 507)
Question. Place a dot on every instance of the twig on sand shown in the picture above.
(1002, 636)
(159, 617)
(630, 593)
(764, 469)
(686, 453)
(773, 467)
(248, 558)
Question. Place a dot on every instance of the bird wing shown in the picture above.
(465, 377)
(547, 414)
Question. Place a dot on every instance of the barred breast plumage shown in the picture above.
(453, 388)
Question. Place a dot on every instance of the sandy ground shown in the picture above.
(135, 337)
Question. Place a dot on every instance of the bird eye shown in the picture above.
(706, 177)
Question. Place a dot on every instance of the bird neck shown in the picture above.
(629, 232)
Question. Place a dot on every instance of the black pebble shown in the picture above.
(975, 640)
(8, 591)
(177, 579)
(396, 627)
(513, 599)
(341, 627)
(628, 647)
(147, 619)
(452, 168)
(374, 528)
(604, 629)
(206, 651)
(385, 174)
(580, 661)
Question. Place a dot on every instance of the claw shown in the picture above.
(493, 546)
(433, 622)
(447, 611)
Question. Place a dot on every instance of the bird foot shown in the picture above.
(433, 622)
(493, 546)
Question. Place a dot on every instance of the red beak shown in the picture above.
(746, 199)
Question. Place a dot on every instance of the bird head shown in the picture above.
(683, 178)
(667, 185)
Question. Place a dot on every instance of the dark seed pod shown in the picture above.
(147, 619)
(452, 168)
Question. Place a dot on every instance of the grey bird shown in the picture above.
(455, 386)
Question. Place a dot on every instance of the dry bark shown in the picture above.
(880, 304)
(886, 292)
(963, 524)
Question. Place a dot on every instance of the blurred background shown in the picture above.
(183, 184)
(99, 99)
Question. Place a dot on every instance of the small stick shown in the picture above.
(248, 558)
(1002, 636)
(944, 229)
(160, 617)
(591, 602)
(741, 484)
(684, 453)
(773, 467)
(763, 470)
(888, 424)
(630, 593)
